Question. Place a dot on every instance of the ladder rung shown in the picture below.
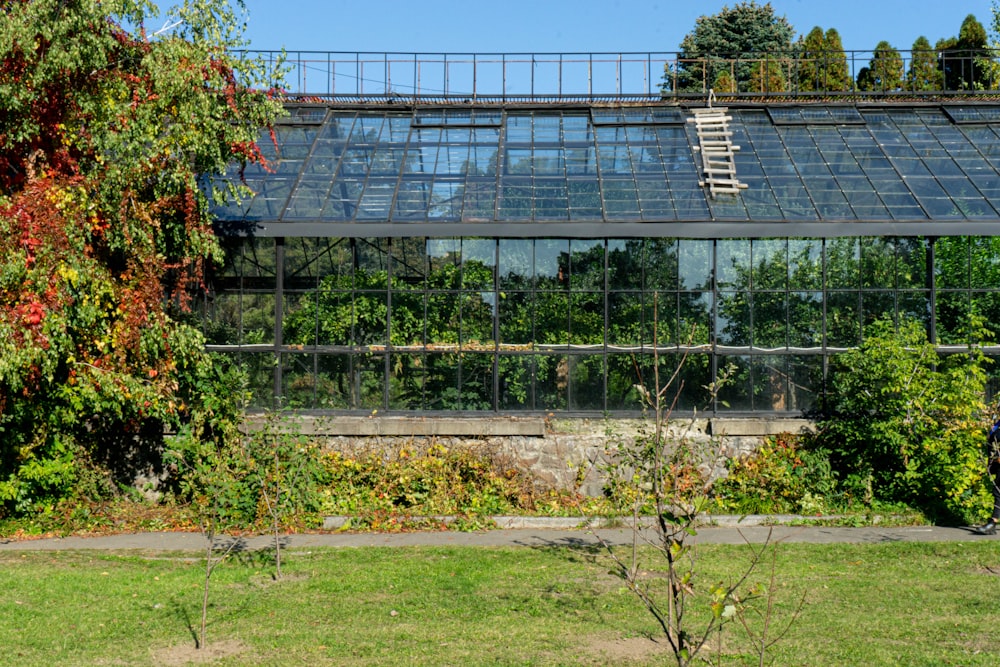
(713, 120)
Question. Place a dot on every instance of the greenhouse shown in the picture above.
(538, 254)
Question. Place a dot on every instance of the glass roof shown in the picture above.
(512, 168)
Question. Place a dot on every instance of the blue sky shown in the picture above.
(568, 26)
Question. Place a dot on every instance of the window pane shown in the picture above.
(770, 319)
(843, 319)
(805, 319)
(736, 394)
(586, 377)
(770, 383)
(551, 382)
(952, 316)
(515, 379)
(732, 322)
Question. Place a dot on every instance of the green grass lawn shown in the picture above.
(886, 604)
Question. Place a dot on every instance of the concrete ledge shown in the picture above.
(504, 522)
(416, 426)
(759, 427)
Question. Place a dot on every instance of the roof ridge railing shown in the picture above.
(473, 76)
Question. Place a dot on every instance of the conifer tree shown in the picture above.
(923, 74)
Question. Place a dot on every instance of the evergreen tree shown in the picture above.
(812, 61)
(768, 77)
(963, 60)
(739, 37)
(823, 64)
(885, 70)
(923, 73)
(837, 76)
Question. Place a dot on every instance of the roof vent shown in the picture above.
(715, 141)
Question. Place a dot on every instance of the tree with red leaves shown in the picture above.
(108, 138)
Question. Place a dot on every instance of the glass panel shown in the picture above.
(732, 322)
(805, 263)
(477, 382)
(985, 262)
(951, 262)
(586, 382)
(300, 382)
(256, 319)
(299, 318)
(552, 318)
(515, 263)
(877, 306)
(552, 263)
(987, 306)
(805, 379)
(259, 368)
(368, 317)
(843, 319)
(952, 316)
(770, 383)
(660, 312)
(333, 382)
(551, 382)
(407, 375)
(842, 263)
(478, 262)
(915, 306)
(586, 265)
(805, 319)
(586, 318)
(694, 318)
(770, 262)
(441, 383)
(516, 318)
(622, 379)
(625, 260)
(736, 394)
(733, 263)
(626, 317)
(444, 322)
(221, 319)
(911, 263)
(696, 376)
(694, 264)
(407, 326)
(878, 262)
(770, 320)
(661, 258)
(515, 382)
(477, 320)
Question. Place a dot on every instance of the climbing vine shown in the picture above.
(107, 138)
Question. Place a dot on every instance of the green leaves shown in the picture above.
(909, 420)
(104, 135)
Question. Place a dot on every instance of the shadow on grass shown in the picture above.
(181, 612)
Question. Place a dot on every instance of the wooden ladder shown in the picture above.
(715, 142)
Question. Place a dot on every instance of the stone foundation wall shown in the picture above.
(567, 454)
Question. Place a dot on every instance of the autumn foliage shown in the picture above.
(107, 140)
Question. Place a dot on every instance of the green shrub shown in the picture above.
(386, 488)
(905, 425)
(781, 477)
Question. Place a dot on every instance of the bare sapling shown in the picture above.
(663, 490)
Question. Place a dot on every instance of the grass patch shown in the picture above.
(885, 604)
